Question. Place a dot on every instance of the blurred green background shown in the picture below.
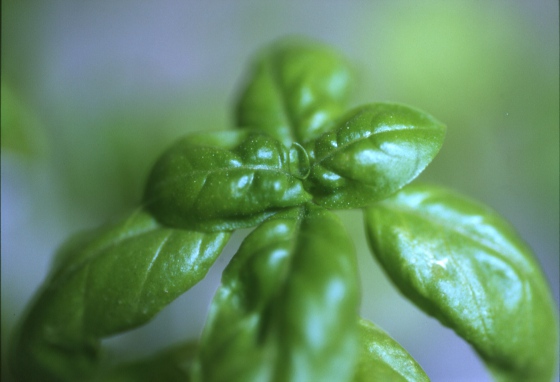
(92, 92)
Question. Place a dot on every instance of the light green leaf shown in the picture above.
(103, 283)
(287, 307)
(21, 130)
(374, 151)
(463, 264)
(384, 359)
(224, 181)
(294, 91)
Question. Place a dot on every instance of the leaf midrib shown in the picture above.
(95, 252)
(221, 170)
(339, 148)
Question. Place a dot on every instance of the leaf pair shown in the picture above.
(229, 180)
(287, 306)
(287, 310)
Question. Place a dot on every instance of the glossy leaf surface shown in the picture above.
(294, 91)
(384, 359)
(287, 307)
(463, 264)
(224, 181)
(103, 283)
(374, 151)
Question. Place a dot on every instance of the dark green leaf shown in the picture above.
(463, 264)
(383, 359)
(223, 181)
(294, 91)
(103, 283)
(287, 307)
(173, 365)
(373, 152)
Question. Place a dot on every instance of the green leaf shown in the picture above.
(384, 359)
(299, 161)
(223, 181)
(294, 90)
(21, 130)
(172, 365)
(373, 152)
(103, 283)
(463, 264)
(287, 307)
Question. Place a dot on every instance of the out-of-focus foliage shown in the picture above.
(294, 91)
(383, 359)
(21, 131)
(490, 72)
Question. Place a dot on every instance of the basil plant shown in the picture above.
(287, 306)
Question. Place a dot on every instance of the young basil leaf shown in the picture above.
(375, 150)
(224, 181)
(104, 283)
(172, 365)
(287, 307)
(384, 359)
(294, 90)
(299, 161)
(463, 264)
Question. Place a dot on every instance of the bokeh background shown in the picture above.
(92, 92)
